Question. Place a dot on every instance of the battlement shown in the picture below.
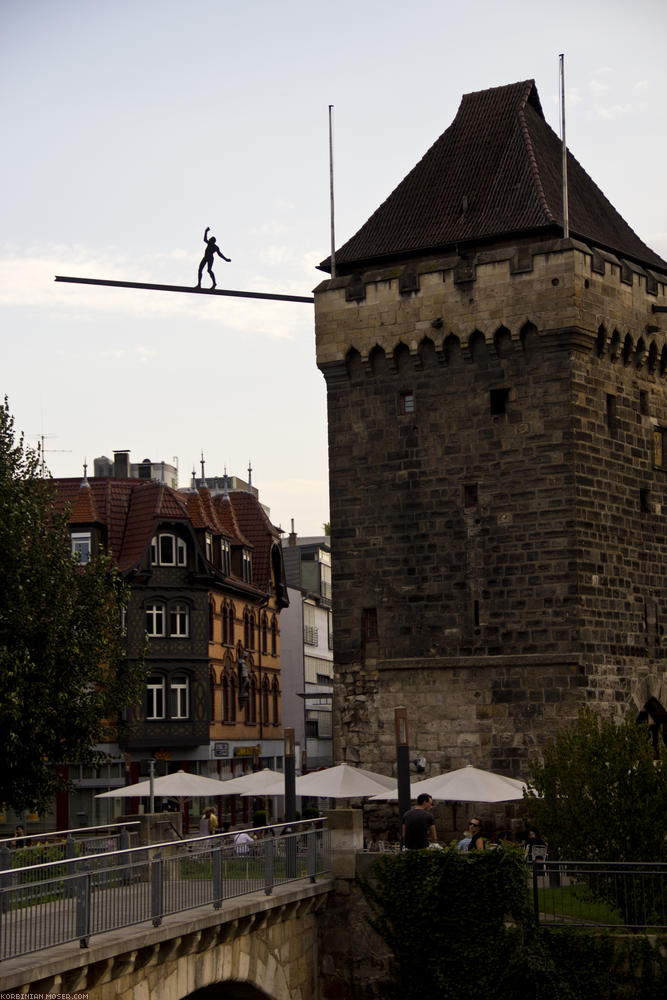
(490, 301)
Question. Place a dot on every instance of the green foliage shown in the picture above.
(460, 925)
(599, 795)
(62, 663)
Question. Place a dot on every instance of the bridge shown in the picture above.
(173, 920)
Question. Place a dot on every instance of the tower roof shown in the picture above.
(495, 173)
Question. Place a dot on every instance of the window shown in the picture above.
(612, 417)
(155, 697)
(168, 550)
(265, 634)
(498, 399)
(179, 697)
(274, 637)
(225, 556)
(370, 624)
(247, 566)
(406, 403)
(643, 402)
(660, 447)
(275, 692)
(209, 546)
(265, 701)
(470, 495)
(155, 619)
(644, 502)
(179, 620)
(81, 546)
(230, 627)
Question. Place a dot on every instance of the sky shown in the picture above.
(129, 126)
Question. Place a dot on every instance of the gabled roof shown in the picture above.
(494, 173)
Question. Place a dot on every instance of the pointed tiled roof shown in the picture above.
(494, 173)
(257, 528)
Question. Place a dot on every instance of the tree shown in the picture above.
(599, 794)
(63, 670)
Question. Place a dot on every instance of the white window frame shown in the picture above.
(155, 700)
(156, 610)
(179, 551)
(247, 566)
(179, 620)
(179, 697)
(82, 546)
(225, 556)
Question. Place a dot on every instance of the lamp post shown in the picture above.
(290, 775)
(402, 760)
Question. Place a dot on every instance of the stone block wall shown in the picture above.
(497, 502)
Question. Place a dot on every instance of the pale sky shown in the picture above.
(130, 125)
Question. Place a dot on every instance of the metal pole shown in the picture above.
(331, 194)
(402, 761)
(290, 776)
(566, 221)
(151, 772)
(151, 286)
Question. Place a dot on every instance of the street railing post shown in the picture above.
(156, 889)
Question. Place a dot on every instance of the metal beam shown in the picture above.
(186, 288)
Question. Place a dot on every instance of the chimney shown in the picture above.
(291, 541)
(121, 464)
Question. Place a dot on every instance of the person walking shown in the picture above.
(419, 825)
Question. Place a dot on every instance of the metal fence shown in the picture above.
(42, 848)
(599, 894)
(74, 899)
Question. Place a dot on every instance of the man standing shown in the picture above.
(419, 825)
(207, 260)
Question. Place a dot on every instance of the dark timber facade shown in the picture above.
(497, 402)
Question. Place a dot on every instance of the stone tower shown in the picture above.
(497, 400)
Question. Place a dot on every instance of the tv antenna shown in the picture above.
(41, 451)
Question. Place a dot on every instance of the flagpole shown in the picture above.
(566, 221)
(331, 194)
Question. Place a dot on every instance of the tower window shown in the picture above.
(498, 399)
(643, 402)
(659, 449)
(370, 624)
(612, 419)
(470, 496)
(644, 501)
(407, 402)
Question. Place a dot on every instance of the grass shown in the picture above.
(576, 902)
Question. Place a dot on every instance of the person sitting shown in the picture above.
(242, 842)
(476, 838)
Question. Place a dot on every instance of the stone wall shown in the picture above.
(498, 536)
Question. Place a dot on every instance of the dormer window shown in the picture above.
(209, 546)
(247, 566)
(225, 556)
(168, 550)
(81, 546)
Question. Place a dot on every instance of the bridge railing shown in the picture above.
(42, 848)
(74, 899)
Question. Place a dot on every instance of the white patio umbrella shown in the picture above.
(180, 785)
(466, 784)
(339, 782)
(253, 782)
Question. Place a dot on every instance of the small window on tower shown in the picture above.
(612, 419)
(498, 399)
(470, 497)
(659, 447)
(643, 402)
(370, 624)
(644, 505)
(407, 402)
